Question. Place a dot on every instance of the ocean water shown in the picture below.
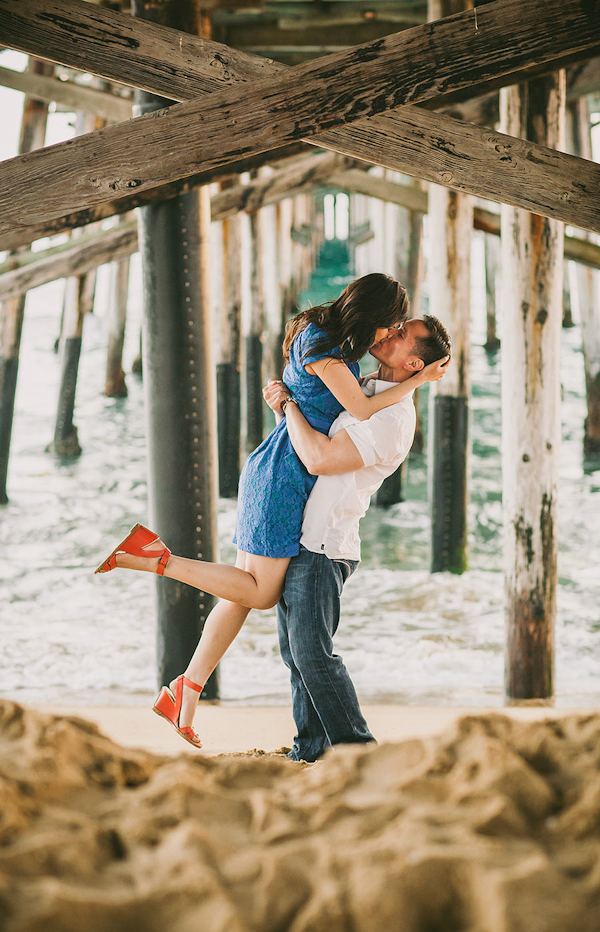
(407, 636)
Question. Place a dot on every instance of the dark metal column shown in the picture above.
(179, 388)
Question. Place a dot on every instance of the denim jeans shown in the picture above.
(324, 701)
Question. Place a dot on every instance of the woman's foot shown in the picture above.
(169, 703)
(189, 704)
(131, 553)
(147, 564)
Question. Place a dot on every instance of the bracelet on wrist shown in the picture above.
(286, 402)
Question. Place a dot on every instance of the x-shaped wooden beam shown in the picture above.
(311, 102)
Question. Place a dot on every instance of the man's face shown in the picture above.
(397, 348)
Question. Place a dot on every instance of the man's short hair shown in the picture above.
(436, 344)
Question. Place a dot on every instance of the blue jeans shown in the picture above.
(324, 701)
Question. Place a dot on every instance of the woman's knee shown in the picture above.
(265, 601)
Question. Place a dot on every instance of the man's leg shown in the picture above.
(310, 741)
(312, 591)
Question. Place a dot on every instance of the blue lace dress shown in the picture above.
(274, 484)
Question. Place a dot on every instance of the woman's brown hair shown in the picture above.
(370, 302)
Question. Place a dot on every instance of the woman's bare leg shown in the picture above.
(255, 582)
(221, 628)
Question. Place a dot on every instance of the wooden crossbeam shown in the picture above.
(354, 181)
(86, 254)
(25, 235)
(29, 270)
(101, 104)
(284, 110)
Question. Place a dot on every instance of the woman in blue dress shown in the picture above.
(322, 348)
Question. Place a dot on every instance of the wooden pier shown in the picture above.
(221, 127)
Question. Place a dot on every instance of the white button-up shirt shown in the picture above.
(337, 503)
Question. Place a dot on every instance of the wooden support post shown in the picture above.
(273, 361)
(287, 281)
(179, 387)
(491, 248)
(567, 307)
(588, 288)
(33, 130)
(532, 267)
(451, 216)
(229, 365)
(136, 365)
(78, 300)
(451, 219)
(115, 386)
(408, 269)
(253, 346)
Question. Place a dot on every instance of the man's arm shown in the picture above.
(322, 456)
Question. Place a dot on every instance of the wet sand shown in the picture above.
(493, 825)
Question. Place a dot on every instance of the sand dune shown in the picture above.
(493, 826)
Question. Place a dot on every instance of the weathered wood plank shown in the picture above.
(478, 161)
(411, 66)
(163, 193)
(164, 61)
(108, 106)
(73, 259)
(355, 181)
(121, 48)
(29, 270)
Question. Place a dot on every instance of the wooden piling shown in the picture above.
(229, 364)
(449, 274)
(179, 385)
(253, 346)
(532, 268)
(33, 131)
(78, 300)
(588, 288)
(115, 385)
(272, 352)
(491, 248)
(408, 269)
(287, 278)
(567, 306)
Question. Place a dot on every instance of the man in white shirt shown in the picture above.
(351, 462)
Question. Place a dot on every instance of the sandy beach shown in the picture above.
(227, 729)
(482, 823)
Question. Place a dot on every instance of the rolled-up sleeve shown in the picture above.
(382, 438)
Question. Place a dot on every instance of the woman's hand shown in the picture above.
(274, 393)
(435, 370)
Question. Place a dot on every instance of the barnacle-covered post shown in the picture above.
(532, 271)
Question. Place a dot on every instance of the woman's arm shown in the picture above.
(322, 455)
(341, 383)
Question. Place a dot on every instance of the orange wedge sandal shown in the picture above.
(169, 706)
(138, 538)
